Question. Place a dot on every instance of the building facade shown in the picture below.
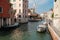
(21, 7)
(55, 28)
(6, 17)
(56, 20)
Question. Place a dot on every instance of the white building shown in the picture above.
(56, 20)
(21, 7)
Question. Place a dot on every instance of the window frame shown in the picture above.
(1, 10)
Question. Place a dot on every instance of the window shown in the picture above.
(25, 11)
(25, 5)
(15, 19)
(8, 0)
(14, 5)
(14, 0)
(11, 5)
(19, 0)
(25, 1)
(14, 11)
(19, 16)
(1, 9)
(19, 5)
(19, 11)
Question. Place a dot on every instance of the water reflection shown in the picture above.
(4, 33)
(18, 33)
(24, 32)
(24, 27)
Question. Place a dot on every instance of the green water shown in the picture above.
(25, 32)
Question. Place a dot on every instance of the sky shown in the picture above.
(41, 5)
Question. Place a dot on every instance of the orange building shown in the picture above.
(5, 13)
(4, 8)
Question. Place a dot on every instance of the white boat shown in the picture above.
(41, 28)
(45, 23)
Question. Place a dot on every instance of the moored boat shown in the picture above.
(41, 28)
(34, 20)
(11, 26)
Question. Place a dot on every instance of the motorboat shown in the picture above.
(45, 23)
(41, 28)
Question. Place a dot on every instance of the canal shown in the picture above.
(25, 32)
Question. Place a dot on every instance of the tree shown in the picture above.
(52, 15)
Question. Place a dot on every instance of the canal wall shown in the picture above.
(53, 33)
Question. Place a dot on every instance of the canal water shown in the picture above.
(25, 32)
